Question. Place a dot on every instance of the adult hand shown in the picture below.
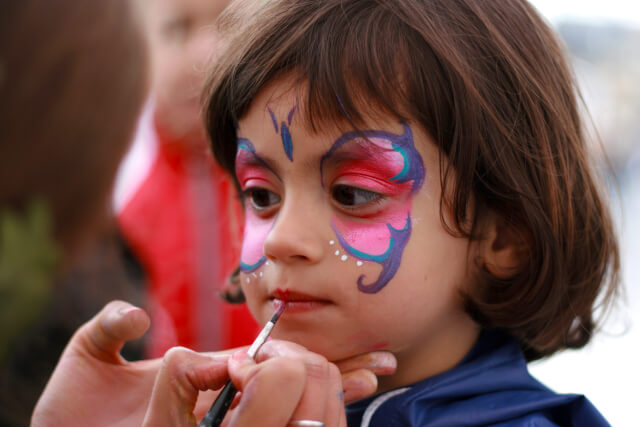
(288, 383)
(306, 385)
(94, 385)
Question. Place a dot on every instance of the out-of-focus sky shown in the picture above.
(623, 11)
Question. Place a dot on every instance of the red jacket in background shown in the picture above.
(183, 222)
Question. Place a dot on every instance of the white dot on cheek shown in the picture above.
(343, 257)
(359, 263)
(331, 242)
(336, 253)
(248, 280)
(261, 274)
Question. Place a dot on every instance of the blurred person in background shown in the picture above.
(175, 206)
(68, 112)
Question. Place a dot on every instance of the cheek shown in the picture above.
(255, 234)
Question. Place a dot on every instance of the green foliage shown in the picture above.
(28, 260)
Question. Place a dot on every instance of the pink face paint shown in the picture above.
(253, 171)
(255, 233)
(400, 170)
(246, 155)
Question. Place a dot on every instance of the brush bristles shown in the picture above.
(281, 305)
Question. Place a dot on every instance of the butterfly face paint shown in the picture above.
(383, 164)
(252, 171)
(287, 142)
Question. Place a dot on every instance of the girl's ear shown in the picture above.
(504, 248)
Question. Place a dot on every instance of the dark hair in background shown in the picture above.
(489, 82)
(73, 77)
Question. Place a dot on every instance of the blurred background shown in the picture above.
(172, 237)
(603, 39)
(172, 207)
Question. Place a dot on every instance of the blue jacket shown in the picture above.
(491, 386)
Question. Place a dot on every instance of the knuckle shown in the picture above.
(334, 371)
(317, 366)
(290, 369)
(282, 348)
(175, 356)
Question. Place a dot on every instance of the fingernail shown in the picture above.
(386, 361)
(240, 356)
(360, 382)
(126, 310)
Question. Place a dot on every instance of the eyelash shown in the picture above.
(372, 200)
(247, 195)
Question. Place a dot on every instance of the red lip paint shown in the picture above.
(300, 303)
(283, 295)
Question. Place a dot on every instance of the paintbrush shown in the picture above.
(221, 405)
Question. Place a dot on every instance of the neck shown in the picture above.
(437, 354)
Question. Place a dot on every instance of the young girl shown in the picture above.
(415, 178)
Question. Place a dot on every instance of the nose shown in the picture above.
(296, 235)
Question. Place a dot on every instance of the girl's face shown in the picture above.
(347, 228)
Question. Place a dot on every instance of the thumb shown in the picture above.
(105, 334)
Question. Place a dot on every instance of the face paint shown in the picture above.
(256, 230)
(246, 154)
(251, 170)
(387, 164)
(287, 142)
(412, 169)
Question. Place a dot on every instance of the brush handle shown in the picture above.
(220, 406)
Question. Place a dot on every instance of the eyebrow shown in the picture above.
(255, 159)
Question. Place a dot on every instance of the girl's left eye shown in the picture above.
(353, 197)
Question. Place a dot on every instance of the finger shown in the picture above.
(183, 374)
(378, 362)
(359, 373)
(358, 384)
(322, 396)
(334, 410)
(270, 390)
(313, 404)
(105, 334)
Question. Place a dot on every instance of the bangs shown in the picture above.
(354, 61)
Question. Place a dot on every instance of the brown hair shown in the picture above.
(488, 80)
(73, 76)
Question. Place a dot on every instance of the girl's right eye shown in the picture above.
(261, 199)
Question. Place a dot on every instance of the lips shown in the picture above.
(299, 302)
